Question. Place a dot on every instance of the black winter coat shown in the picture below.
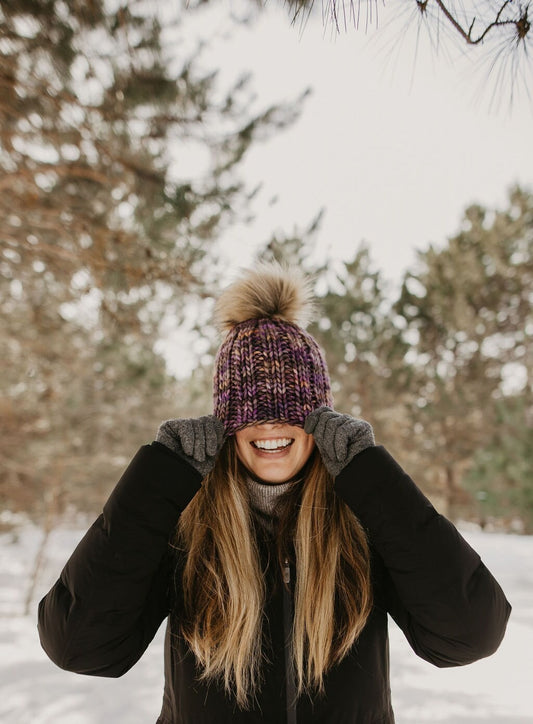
(116, 589)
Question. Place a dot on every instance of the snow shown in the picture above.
(33, 690)
(495, 690)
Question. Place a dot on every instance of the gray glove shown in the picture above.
(197, 440)
(338, 437)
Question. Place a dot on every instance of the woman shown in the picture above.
(276, 536)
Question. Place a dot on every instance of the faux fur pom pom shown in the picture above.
(269, 290)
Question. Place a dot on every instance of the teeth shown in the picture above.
(273, 444)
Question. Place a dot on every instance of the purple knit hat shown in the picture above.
(268, 368)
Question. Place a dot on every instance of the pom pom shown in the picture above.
(270, 291)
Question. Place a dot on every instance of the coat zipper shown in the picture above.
(290, 687)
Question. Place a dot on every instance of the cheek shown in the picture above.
(307, 447)
(240, 447)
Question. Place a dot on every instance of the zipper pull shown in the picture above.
(286, 572)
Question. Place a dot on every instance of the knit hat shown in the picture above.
(268, 367)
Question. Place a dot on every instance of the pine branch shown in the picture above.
(467, 35)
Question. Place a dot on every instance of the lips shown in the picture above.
(272, 445)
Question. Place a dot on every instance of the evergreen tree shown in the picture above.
(502, 29)
(501, 476)
(467, 311)
(443, 372)
(103, 233)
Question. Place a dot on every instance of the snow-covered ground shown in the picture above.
(497, 690)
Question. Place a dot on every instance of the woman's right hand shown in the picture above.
(197, 440)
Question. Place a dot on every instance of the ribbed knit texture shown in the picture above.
(268, 370)
(264, 498)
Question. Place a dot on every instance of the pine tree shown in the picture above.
(500, 478)
(467, 311)
(501, 29)
(103, 234)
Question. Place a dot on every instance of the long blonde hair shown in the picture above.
(223, 582)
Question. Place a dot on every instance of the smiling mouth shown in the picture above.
(272, 446)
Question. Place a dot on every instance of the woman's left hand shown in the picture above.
(339, 437)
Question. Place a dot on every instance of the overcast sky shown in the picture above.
(393, 143)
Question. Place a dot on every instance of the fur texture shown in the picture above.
(269, 291)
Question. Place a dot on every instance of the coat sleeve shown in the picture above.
(112, 595)
(449, 606)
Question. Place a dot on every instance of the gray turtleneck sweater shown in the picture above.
(264, 498)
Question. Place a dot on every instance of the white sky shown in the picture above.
(393, 149)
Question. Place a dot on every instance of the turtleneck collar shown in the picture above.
(265, 496)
